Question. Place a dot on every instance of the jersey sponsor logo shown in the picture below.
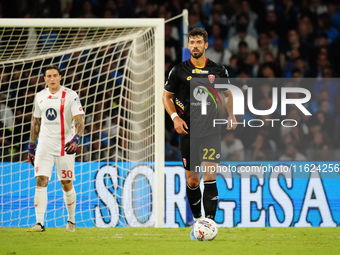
(77, 100)
(51, 114)
(189, 78)
(200, 71)
(201, 94)
(211, 78)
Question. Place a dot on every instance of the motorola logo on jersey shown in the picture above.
(51, 114)
(201, 94)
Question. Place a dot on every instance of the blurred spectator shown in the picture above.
(218, 53)
(195, 21)
(171, 44)
(233, 66)
(253, 64)
(252, 17)
(333, 13)
(306, 31)
(287, 13)
(231, 148)
(325, 26)
(50, 8)
(260, 149)
(320, 147)
(218, 16)
(6, 114)
(87, 10)
(293, 48)
(321, 102)
(242, 19)
(270, 70)
(322, 62)
(331, 85)
(317, 7)
(216, 32)
(243, 52)
(242, 35)
(266, 47)
(291, 153)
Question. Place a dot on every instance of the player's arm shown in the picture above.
(179, 123)
(232, 123)
(79, 124)
(72, 146)
(35, 130)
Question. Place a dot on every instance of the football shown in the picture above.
(205, 229)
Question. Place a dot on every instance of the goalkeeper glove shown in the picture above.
(31, 153)
(72, 146)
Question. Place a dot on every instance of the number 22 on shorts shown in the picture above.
(209, 154)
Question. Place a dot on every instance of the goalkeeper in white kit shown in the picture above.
(58, 122)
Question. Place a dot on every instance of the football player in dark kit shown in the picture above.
(202, 142)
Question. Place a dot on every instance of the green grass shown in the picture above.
(170, 241)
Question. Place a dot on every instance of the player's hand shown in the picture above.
(72, 146)
(31, 153)
(180, 126)
(232, 122)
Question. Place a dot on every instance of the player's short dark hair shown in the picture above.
(50, 67)
(198, 32)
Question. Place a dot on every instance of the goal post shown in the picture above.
(117, 68)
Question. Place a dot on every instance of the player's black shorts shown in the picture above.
(198, 149)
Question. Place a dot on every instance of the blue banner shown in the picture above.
(251, 194)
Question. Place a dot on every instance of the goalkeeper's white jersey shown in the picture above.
(56, 112)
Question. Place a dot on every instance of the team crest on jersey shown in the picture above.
(184, 162)
(51, 114)
(211, 78)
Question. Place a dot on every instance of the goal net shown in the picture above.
(117, 68)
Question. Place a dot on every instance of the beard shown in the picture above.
(196, 54)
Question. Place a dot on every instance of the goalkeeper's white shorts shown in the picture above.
(43, 165)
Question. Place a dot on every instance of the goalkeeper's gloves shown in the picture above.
(31, 153)
(72, 146)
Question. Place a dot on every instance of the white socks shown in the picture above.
(40, 203)
(70, 201)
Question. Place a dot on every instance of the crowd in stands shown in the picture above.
(253, 39)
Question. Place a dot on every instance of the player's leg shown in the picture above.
(210, 163)
(194, 194)
(210, 193)
(43, 166)
(193, 177)
(65, 170)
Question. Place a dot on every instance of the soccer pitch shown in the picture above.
(170, 241)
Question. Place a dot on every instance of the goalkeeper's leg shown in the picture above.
(70, 201)
(40, 203)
